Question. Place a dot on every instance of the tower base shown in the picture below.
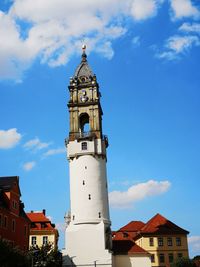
(86, 246)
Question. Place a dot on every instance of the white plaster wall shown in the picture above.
(96, 146)
(86, 244)
(136, 260)
(88, 177)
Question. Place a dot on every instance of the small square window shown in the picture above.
(169, 241)
(5, 221)
(45, 240)
(171, 257)
(180, 255)
(151, 243)
(33, 240)
(160, 241)
(13, 225)
(152, 258)
(162, 258)
(178, 241)
(84, 145)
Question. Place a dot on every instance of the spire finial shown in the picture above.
(84, 56)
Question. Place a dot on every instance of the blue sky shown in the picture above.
(145, 54)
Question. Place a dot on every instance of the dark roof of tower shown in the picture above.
(7, 183)
(83, 68)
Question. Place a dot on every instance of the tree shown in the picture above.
(12, 256)
(45, 256)
(183, 262)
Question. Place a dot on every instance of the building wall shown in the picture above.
(167, 250)
(131, 261)
(13, 226)
(88, 190)
(14, 229)
(39, 238)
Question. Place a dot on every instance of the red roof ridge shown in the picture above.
(159, 223)
(37, 217)
(132, 226)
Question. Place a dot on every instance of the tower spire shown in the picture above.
(86, 153)
(84, 56)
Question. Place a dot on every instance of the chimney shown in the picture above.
(44, 211)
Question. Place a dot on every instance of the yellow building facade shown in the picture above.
(161, 238)
(164, 249)
(42, 231)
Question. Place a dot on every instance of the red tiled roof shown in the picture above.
(39, 222)
(124, 247)
(37, 217)
(133, 226)
(160, 225)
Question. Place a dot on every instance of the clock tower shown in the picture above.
(88, 234)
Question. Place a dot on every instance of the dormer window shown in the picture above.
(43, 225)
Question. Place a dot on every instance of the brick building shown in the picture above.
(14, 224)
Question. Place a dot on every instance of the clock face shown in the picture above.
(83, 96)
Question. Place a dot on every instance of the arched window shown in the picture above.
(84, 123)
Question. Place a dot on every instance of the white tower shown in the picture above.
(88, 234)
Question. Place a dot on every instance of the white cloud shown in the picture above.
(190, 27)
(194, 243)
(28, 166)
(36, 144)
(53, 30)
(51, 152)
(9, 138)
(125, 199)
(143, 9)
(177, 45)
(184, 8)
(136, 41)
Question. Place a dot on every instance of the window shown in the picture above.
(152, 258)
(5, 221)
(160, 241)
(45, 240)
(151, 243)
(84, 145)
(162, 258)
(14, 203)
(180, 255)
(25, 230)
(73, 217)
(86, 167)
(171, 257)
(13, 225)
(169, 241)
(178, 241)
(83, 182)
(125, 235)
(43, 225)
(33, 240)
(89, 197)
(99, 214)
